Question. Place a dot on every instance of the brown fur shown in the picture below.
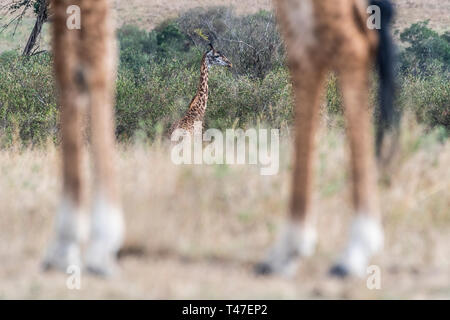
(197, 107)
(323, 36)
(341, 44)
(85, 66)
(85, 71)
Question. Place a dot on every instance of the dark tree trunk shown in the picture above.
(40, 20)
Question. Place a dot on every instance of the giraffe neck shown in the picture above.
(202, 92)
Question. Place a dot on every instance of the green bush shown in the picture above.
(428, 97)
(252, 42)
(165, 91)
(425, 48)
(333, 96)
(243, 101)
(158, 98)
(170, 40)
(139, 48)
(136, 47)
(425, 74)
(159, 71)
(28, 109)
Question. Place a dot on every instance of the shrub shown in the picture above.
(136, 47)
(170, 40)
(425, 69)
(252, 42)
(333, 96)
(428, 97)
(243, 101)
(159, 71)
(27, 99)
(139, 48)
(158, 98)
(425, 49)
(163, 95)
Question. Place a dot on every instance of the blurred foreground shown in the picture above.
(196, 231)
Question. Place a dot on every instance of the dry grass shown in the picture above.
(201, 228)
(410, 11)
(148, 14)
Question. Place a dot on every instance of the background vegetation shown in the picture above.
(158, 75)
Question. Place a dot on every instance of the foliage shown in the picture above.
(251, 42)
(428, 98)
(159, 70)
(425, 70)
(425, 50)
(27, 105)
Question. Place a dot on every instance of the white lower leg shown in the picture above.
(295, 241)
(366, 239)
(107, 232)
(71, 230)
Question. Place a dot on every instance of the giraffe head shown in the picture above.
(216, 58)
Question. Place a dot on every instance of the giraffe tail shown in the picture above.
(388, 115)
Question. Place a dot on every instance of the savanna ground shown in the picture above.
(196, 231)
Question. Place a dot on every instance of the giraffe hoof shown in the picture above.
(48, 265)
(101, 263)
(285, 268)
(339, 271)
(58, 263)
(60, 256)
(263, 269)
(104, 271)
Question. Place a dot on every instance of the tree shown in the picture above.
(18, 9)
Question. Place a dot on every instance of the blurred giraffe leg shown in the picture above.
(366, 235)
(99, 57)
(298, 238)
(71, 226)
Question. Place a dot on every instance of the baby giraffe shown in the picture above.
(197, 107)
